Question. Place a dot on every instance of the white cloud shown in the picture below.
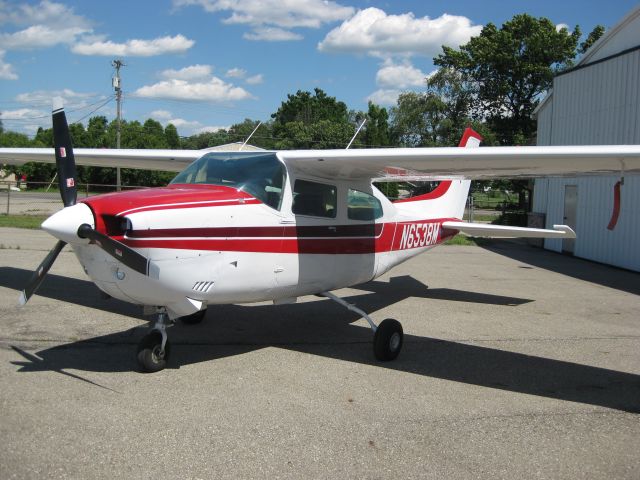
(49, 24)
(135, 48)
(211, 128)
(44, 13)
(236, 73)
(160, 115)
(71, 99)
(28, 127)
(388, 96)
(184, 127)
(39, 36)
(560, 26)
(255, 79)
(272, 34)
(193, 72)
(374, 32)
(183, 124)
(396, 76)
(24, 114)
(212, 90)
(272, 20)
(6, 69)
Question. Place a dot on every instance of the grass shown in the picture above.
(484, 218)
(22, 221)
(465, 240)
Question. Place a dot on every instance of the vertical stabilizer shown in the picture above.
(449, 198)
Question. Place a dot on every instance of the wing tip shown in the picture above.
(568, 231)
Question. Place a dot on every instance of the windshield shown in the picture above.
(258, 174)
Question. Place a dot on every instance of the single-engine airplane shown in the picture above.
(242, 227)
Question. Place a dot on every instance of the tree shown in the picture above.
(262, 137)
(206, 140)
(376, 130)
(312, 121)
(78, 135)
(593, 37)
(308, 109)
(97, 132)
(417, 119)
(172, 139)
(509, 69)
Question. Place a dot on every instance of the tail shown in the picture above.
(449, 198)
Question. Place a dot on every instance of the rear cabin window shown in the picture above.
(363, 206)
(314, 199)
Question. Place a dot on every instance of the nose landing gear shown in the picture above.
(154, 348)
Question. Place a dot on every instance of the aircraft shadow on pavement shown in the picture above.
(231, 330)
(575, 267)
(66, 289)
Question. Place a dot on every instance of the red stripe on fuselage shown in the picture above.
(335, 240)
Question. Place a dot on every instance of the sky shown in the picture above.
(207, 64)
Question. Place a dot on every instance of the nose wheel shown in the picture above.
(151, 356)
(154, 348)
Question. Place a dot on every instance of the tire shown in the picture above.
(194, 318)
(148, 353)
(387, 342)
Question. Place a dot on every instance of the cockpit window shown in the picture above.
(258, 174)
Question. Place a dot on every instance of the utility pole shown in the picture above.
(117, 87)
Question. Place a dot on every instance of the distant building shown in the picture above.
(596, 102)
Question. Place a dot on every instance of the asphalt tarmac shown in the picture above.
(517, 363)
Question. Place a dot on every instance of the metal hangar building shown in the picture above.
(597, 102)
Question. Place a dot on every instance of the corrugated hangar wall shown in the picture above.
(595, 104)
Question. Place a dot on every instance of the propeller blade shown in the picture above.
(65, 161)
(116, 249)
(39, 274)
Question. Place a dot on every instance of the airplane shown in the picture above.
(250, 226)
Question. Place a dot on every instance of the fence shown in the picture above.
(43, 198)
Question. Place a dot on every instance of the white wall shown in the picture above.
(598, 104)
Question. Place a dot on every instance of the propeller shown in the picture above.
(60, 222)
(41, 271)
(116, 249)
(65, 161)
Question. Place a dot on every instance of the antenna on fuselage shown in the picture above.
(250, 135)
(357, 132)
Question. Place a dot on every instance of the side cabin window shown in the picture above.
(363, 206)
(314, 199)
(259, 174)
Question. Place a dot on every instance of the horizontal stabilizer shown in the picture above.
(503, 231)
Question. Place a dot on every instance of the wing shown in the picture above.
(382, 164)
(168, 160)
(472, 163)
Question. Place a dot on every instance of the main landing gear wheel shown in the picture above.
(194, 318)
(151, 357)
(387, 340)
